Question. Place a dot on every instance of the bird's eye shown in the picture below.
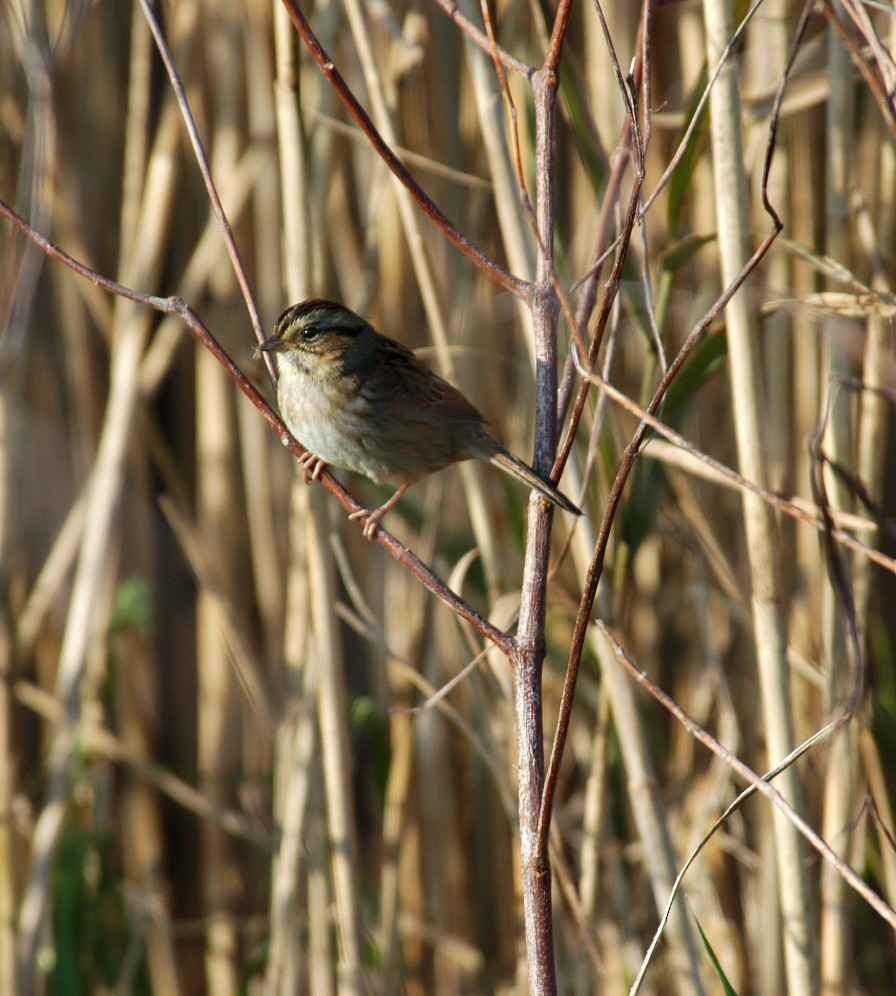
(310, 334)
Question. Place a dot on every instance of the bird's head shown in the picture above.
(315, 332)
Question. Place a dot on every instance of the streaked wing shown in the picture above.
(399, 377)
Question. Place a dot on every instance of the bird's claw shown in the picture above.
(312, 467)
(370, 519)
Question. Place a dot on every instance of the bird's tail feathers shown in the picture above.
(513, 465)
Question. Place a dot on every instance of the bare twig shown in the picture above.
(212, 191)
(794, 509)
(424, 202)
(176, 306)
(704, 97)
(596, 568)
(483, 41)
(758, 783)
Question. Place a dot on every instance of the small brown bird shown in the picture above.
(358, 400)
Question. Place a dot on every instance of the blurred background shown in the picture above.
(220, 768)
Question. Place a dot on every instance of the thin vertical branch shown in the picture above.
(529, 656)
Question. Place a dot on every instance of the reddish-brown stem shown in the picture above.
(529, 658)
(176, 306)
(595, 569)
(481, 39)
(590, 281)
(613, 284)
(558, 34)
(497, 272)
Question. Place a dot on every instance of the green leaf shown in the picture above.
(683, 251)
(706, 359)
(133, 606)
(726, 985)
(680, 181)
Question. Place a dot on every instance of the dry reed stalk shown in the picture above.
(335, 753)
(8, 898)
(839, 799)
(297, 732)
(449, 888)
(750, 429)
(660, 860)
(38, 159)
(132, 329)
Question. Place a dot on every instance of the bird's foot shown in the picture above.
(312, 467)
(372, 519)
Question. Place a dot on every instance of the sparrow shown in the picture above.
(359, 400)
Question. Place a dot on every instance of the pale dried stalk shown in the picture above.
(217, 719)
(34, 194)
(874, 422)
(767, 52)
(335, 751)
(840, 785)
(401, 770)
(256, 451)
(296, 776)
(222, 733)
(141, 823)
(7, 772)
(660, 860)
(107, 477)
(297, 737)
(731, 197)
(318, 652)
(295, 757)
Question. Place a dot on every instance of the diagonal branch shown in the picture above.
(177, 306)
(422, 199)
(595, 569)
(759, 784)
(483, 40)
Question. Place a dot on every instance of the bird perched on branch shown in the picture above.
(359, 400)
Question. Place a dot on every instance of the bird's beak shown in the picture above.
(273, 345)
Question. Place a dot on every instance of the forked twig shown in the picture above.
(630, 455)
(595, 569)
(481, 39)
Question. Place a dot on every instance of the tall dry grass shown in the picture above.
(228, 757)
